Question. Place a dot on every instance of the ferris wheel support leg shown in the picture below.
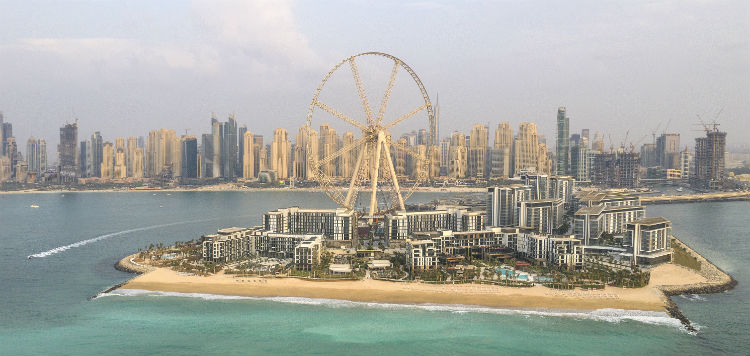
(376, 170)
(355, 176)
(395, 180)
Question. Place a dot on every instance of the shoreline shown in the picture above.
(224, 188)
(645, 299)
(666, 281)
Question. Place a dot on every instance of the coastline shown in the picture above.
(667, 280)
(230, 188)
(649, 298)
(716, 281)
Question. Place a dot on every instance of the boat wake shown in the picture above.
(106, 236)
(605, 315)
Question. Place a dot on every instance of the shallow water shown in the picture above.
(79, 236)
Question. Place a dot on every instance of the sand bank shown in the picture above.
(648, 298)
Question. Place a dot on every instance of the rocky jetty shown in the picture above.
(128, 264)
(717, 281)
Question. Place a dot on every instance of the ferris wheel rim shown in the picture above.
(423, 164)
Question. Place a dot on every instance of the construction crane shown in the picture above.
(653, 133)
(633, 145)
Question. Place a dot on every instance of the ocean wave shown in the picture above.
(113, 234)
(605, 315)
(693, 297)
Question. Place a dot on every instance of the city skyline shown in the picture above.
(689, 66)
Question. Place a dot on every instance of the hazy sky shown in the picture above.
(127, 67)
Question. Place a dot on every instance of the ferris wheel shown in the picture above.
(373, 173)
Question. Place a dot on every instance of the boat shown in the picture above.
(34, 206)
(679, 189)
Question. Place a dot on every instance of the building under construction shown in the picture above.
(709, 159)
(615, 169)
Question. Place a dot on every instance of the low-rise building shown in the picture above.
(566, 251)
(421, 254)
(229, 244)
(651, 240)
(542, 216)
(404, 224)
(590, 222)
(307, 253)
(335, 224)
(502, 203)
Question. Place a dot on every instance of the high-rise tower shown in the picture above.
(563, 142)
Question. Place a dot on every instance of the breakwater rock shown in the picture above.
(717, 281)
(128, 264)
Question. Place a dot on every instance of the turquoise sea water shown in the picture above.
(44, 307)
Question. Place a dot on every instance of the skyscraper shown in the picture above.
(32, 154)
(709, 159)
(585, 137)
(349, 159)
(130, 156)
(241, 150)
(163, 152)
(280, 149)
(248, 156)
(668, 150)
(686, 160)
(121, 170)
(445, 146)
(107, 165)
(216, 147)
(97, 145)
(189, 163)
(68, 154)
(6, 132)
(138, 161)
(82, 162)
(563, 142)
(477, 159)
(328, 145)
(42, 144)
(207, 155)
(579, 167)
(261, 162)
(457, 156)
(229, 147)
(598, 143)
(525, 148)
(500, 156)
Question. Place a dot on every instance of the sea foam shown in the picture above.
(113, 234)
(605, 315)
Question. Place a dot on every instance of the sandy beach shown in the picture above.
(368, 290)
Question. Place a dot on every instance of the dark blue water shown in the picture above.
(44, 307)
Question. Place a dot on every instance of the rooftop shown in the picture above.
(651, 221)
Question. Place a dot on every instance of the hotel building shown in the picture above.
(335, 224)
(402, 224)
(650, 239)
(307, 253)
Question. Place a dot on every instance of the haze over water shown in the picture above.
(44, 307)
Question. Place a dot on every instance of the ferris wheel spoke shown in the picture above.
(387, 94)
(361, 90)
(339, 114)
(407, 150)
(341, 151)
(394, 179)
(405, 116)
